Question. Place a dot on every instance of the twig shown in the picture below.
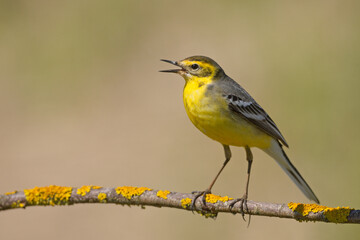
(142, 196)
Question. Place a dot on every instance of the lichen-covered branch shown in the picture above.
(142, 196)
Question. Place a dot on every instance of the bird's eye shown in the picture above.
(195, 66)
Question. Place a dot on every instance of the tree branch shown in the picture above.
(142, 196)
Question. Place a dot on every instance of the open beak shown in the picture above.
(171, 70)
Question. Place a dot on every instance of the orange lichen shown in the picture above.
(185, 202)
(85, 189)
(208, 214)
(102, 197)
(211, 198)
(51, 195)
(129, 192)
(10, 193)
(305, 209)
(18, 204)
(162, 194)
(335, 215)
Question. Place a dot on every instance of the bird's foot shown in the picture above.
(201, 194)
(243, 205)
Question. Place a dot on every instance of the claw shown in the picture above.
(199, 194)
(196, 192)
(243, 206)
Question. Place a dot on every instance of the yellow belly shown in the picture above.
(210, 114)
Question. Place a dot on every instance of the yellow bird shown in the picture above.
(221, 109)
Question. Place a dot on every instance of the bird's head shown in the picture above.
(196, 67)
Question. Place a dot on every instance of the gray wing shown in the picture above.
(240, 102)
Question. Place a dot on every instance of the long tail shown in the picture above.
(276, 151)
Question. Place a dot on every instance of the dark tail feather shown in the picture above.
(276, 151)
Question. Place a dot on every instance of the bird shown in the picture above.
(225, 112)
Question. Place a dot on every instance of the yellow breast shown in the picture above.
(208, 111)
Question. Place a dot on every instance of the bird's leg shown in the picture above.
(243, 200)
(208, 190)
(249, 158)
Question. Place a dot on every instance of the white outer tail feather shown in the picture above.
(276, 152)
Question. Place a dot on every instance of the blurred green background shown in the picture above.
(82, 102)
